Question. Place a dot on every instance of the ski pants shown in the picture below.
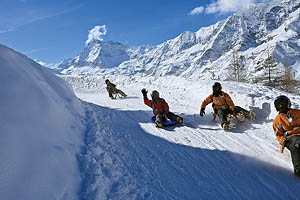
(160, 117)
(293, 144)
(222, 114)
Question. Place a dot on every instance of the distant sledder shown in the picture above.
(224, 107)
(286, 126)
(160, 109)
(113, 92)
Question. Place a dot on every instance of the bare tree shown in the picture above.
(287, 80)
(237, 68)
(272, 72)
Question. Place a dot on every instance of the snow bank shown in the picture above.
(40, 132)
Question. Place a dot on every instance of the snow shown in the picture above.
(41, 132)
(54, 146)
(127, 157)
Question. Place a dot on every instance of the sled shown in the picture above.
(166, 121)
(240, 117)
(118, 96)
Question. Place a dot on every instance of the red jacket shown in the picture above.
(160, 106)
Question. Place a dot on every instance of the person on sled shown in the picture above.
(286, 126)
(223, 105)
(160, 108)
(113, 91)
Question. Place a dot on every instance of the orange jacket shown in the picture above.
(222, 102)
(161, 106)
(289, 122)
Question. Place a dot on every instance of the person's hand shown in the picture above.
(202, 112)
(144, 91)
(231, 108)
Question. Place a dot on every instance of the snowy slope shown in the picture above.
(266, 28)
(40, 128)
(126, 157)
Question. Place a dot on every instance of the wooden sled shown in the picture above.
(240, 117)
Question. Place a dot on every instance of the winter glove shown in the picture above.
(144, 91)
(202, 112)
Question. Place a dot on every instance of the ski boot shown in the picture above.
(297, 173)
(159, 125)
(225, 126)
(179, 120)
(252, 115)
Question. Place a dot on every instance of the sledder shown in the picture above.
(160, 109)
(113, 92)
(286, 126)
(224, 107)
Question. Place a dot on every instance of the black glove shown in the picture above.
(202, 112)
(144, 91)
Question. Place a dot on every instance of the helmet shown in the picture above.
(154, 93)
(107, 81)
(282, 103)
(217, 86)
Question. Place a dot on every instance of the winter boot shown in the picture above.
(297, 173)
(159, 125)
(179, 120)
(252, 115)
(225, 126)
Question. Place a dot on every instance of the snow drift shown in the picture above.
(40, 130)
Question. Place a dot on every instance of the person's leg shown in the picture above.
(222, 116)
(293, 144)
(159, 119)
(121, 93)
(110, 93)
(174, 117)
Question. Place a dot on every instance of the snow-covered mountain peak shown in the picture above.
(264, 28)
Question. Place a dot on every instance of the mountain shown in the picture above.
(96, 55)
(41, 131)
(271, 28)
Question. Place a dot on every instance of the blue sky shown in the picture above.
(53, 30)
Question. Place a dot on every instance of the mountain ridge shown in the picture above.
(271, 27)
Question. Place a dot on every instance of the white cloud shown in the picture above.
(96, 33)
(225, 6)
(197, 11)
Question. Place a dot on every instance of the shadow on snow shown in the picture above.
(120, 160)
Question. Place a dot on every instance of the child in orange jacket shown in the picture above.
(223, 105)
(286, 126)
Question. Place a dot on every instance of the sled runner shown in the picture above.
(118, 96)
(240, 117)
